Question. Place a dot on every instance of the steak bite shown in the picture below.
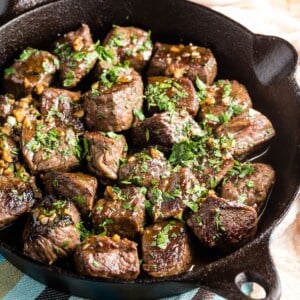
(220, 223)
(122, 211)
(113, 101)
(166, 249)
(63, 107)
(173, 194)
(32, 72)
(165, 129)
(145, 168)
(130, 44)
(46, 147)
(206, 156)
(249, 130)
(77, 187)
(77, 55)
(169, 94)
(105, 257)
(222, 101)
(104, 153)
(51, 231)
(179, 60)
(16, 198)
(249, 184)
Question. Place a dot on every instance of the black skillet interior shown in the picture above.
(264, 64)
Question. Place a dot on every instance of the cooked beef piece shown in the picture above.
(77, 187)
(105, 257)
(206, 156)
(63, 107)
(249, 130)
(48, 148)
(165, 129)
(222, 223)
(122, 211)
(32, 72)
(166, 249)
(104, 153)
(249, 184)
(77, 55)
(145, 168)
(168, 94)
(16, 198)
(173, 194)
(6, 107)
(130, 44)
(222, 101)
(113, 101)
(179, 60)
(51, 231)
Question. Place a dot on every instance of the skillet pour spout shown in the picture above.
(264, 64)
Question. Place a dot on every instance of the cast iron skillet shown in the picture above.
(264, 64)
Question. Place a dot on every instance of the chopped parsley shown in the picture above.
(164, 95)
(70, 79)
(80, 199)
(161, 240)
(139, 114)
(218, 220)
(250, 184)
(9, 71)
(104, 53)
(103, 226)
(84, 233)
(117, 74)
(241, 170)
(27, 53)
(201, 86)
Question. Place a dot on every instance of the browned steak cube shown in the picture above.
(169, 94)
(105, 257)
(104, 153)
(77, 187)
(122, 211)
(222, 223)
(165, 129)
(63, 107)
(206, 156)
(145, 168)
(249, 130)
(179, 60)
(32, 72)
(16, 198)
(51, 231)
(131, 44)
(166, 249)
(173, 194)
(222, 101)
(77, 55)
(46, 147)
(249, 184)
(112, 102)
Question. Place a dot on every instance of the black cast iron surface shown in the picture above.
(264, 64)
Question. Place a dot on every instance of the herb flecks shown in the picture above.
(164, 95)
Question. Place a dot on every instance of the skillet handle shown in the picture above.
(252, 263)
(9, 9)
(273, 59)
